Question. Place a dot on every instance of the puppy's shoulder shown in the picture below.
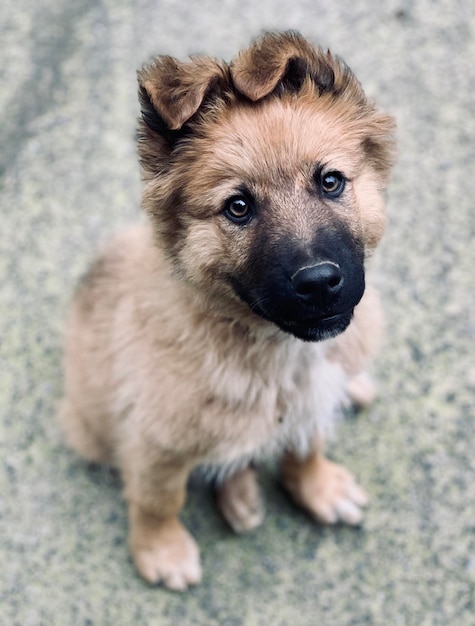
(127, 259)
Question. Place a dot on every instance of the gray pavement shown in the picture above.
(69, 178)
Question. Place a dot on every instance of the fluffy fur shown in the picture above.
(191, 343)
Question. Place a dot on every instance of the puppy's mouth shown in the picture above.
(317, 329)
(308, 325)
(312, 329)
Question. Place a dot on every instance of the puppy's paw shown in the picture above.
(166, 554)
(240, 501)
(361, 390)
(325, 489)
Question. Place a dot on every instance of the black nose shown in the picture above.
(319, 284)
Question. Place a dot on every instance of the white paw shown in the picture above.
(325, 489)
(337, 497)
(361, 390)
(171, 558)
(240, 501)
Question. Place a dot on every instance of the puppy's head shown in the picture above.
(264, 180)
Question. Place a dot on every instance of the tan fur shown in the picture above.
(240, 502)
(327, 490)
(166, 369)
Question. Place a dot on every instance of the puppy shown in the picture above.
(235, 323)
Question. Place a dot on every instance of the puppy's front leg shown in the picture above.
(162, 549)
(325, 489)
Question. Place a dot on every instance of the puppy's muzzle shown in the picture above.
(310, 293)
(318, 285)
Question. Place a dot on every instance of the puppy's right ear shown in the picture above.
(172, 91)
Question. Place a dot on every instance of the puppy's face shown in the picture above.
(266, 190)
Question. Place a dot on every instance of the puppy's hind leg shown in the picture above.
(361, 390)
(80, 434)
(162, 548)
(240, 502)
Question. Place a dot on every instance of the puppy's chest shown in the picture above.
(278, 402)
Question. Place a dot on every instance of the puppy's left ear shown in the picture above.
(285, 58)
(176, 89)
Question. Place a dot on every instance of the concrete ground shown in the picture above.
(69, 178)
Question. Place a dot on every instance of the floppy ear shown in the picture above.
(285, 58)
(172, 91)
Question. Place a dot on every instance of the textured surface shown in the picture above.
(69, 178)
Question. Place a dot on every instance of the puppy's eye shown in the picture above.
(332, 184)
(238, 209)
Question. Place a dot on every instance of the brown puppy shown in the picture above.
(233, 325)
